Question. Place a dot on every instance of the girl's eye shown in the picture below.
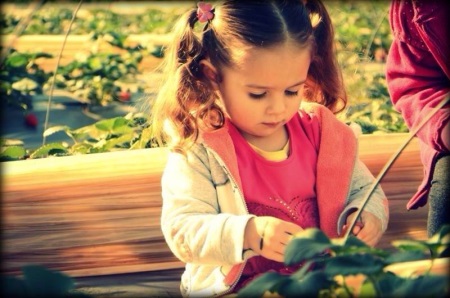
(257, 96)
(291, 93)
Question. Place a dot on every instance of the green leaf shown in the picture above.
(309, 286)
(81, 148)
(410, 245)
(13, 153)
(13, 287)
(441, 237)
(386, 284)
(43, 282)
(422, 286)
(55, 129)
(306, 244)
(119, 123)
(95, 63)
(109, 124)
(115, 142)
(405, 256)
(354, 264)
(17, 60)
(25, 84)
(260, 285)
(49, 149)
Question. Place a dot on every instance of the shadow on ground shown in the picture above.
(64, 110)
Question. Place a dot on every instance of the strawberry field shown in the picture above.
(115, 69)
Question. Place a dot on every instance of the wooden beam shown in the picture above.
(99, 214)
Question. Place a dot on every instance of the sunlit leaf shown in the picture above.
(17, 60)
(408, 244)
(261, 285)
(95, 63)
(25, 84)
(49, 149)
(442, 236)
(306, 244)
(12, 153)
(55, 129)
(309, 286)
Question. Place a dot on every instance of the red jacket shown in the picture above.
(418, 75)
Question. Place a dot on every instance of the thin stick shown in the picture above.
(52, 86)
(386, 167)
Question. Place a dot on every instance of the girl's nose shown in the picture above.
(277, 105)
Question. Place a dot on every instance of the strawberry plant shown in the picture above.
(21, 78)
(100, 77)
(129, 132)
(328, 263)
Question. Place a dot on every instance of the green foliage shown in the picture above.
(55, 19)
(361, 31)
(39, 281)
(361, 27)
(131, 131)
(21, 78)
(326, 261)
(374, 111)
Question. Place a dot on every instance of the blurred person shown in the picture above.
(418, 79)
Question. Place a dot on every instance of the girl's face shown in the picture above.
(263, 90)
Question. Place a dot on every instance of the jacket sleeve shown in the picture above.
(418, 65)
(192, 223)
(362, 181)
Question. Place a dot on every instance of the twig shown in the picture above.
(386, 167)
(52, 86)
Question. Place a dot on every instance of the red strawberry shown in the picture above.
(31, 120)
(125, 95)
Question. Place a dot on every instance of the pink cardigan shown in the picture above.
(418, 76)
(337, 157)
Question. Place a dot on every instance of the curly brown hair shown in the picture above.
(186, 103)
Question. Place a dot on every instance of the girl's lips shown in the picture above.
(272, 124)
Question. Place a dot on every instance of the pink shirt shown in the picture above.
(283, 189)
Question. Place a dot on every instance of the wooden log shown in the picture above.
(98, 214)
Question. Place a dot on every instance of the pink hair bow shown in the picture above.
(205, 12)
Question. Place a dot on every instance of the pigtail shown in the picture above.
(185, 103)
(325, 84)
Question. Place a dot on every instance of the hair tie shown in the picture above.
(205, 12)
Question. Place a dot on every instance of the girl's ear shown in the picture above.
(210, 72)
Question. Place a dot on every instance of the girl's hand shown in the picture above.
(368, 229)
(268, 236)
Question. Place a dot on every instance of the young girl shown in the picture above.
(257, 154)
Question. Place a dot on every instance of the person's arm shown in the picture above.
(375, 216)
(418, 67)
(192, 223)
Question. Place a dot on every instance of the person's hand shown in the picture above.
(268, 236)
(367, 229)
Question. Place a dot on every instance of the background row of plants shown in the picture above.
(362, 38)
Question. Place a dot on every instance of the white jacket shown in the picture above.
(204, 212)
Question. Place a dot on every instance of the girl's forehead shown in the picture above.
(288, 52)
(281, 65)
